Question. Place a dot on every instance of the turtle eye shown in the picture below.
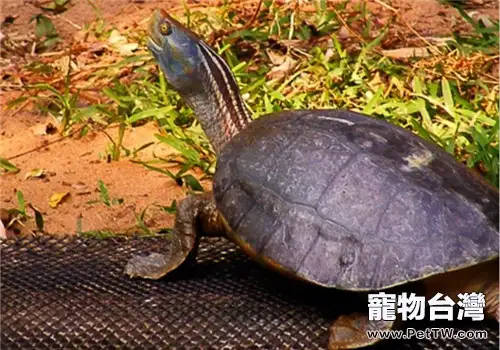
(165, 28)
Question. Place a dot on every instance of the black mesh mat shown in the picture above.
(71, 294)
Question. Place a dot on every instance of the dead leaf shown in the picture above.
(376, 82)
(121, 44)
(297, 44)
(343, 33)
(128, 49)
(284, 69)
(38, 172)
(115, 37)
(57, 198)
(407, 52)
(329, 54)
(64, 64)
(275, 57)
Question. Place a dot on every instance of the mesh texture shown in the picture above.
(71, 293)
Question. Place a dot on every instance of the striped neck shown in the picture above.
(218, 105)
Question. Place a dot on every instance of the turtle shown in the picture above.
(331, 197)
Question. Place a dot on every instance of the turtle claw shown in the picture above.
(153, 266)
(350, 331)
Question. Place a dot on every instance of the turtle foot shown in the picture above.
(152, 266)
(156, 265)
(350, 331)
(197, 215)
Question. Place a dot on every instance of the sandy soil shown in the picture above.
(75, 166)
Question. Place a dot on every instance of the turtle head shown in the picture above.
(176, 49)
(200, 76)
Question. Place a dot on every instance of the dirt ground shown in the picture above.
(75, 166)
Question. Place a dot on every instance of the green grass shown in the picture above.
(18, 218)
(104, 196)
(445, 97)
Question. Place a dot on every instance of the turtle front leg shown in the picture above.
(197, 216)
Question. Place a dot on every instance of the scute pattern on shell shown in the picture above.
(330, 195)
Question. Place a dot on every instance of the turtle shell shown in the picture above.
(348, 201)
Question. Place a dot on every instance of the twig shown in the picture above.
(353, 32)
(386, 6)
(24, 104)
(47, 144)
(247, 25)
(254, 17)
(76, 26)
(396, 12)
